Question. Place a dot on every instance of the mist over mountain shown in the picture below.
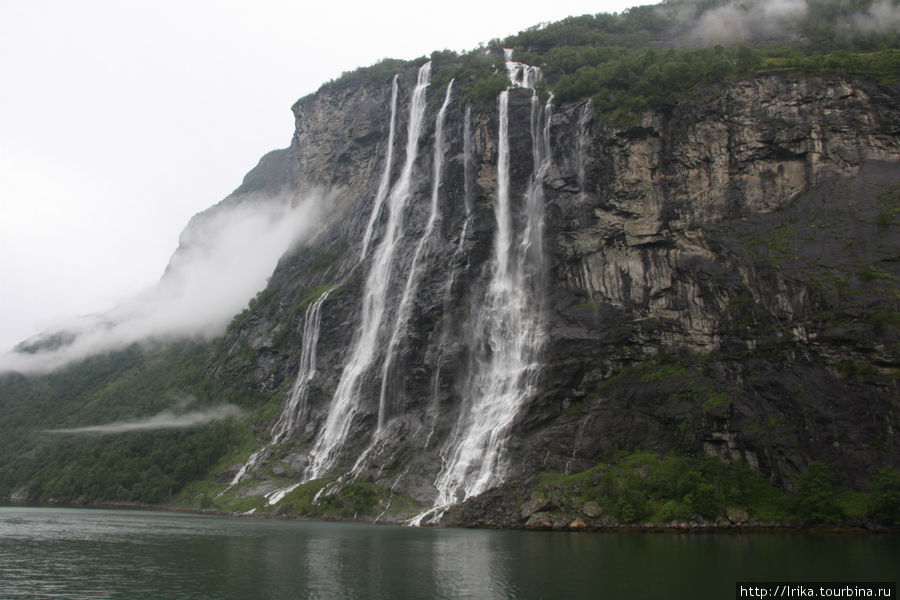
(707, 23)
(160, 421)
(619, 269)
(224, 258)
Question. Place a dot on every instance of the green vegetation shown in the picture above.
(354, 498)
(884, 503)
(386, 68)
(815, 502)
(269, 172)
(649, 487)
(314, 293)
(132, 466)
(665, 370)
(890, 208)
(143, 381)
(350, 500)
(643, 59)
(632, 80)
(143, 467)
(649, 57)
(479, 78)
(328, 258)
(610, 58)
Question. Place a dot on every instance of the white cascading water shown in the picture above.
(468, 159)
(409, 289)
(520, 74)
(583, 141)
(458, 253)
(383, 185)
(531, 246)
(507, 328)
(295, 408)
(346, 400)
(290, 415)
(415, 274)
(247, 466)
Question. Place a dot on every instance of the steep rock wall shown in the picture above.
(720, 279)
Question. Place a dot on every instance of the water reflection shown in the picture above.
(80, 554)
(470, 564)
(323, 568)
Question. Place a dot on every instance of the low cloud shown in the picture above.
(225, 256)
(883, 15)
(168, 419)
(746, 21)
(743, 21)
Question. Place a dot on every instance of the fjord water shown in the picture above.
(88, 553)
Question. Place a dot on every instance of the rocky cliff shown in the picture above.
(719, 279)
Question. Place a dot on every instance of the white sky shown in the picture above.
(119, 119)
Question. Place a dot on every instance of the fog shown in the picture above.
(225, 257)
(167, 419)
(884, 15)
(740, 20)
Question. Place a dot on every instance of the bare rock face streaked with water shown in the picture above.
(500, 299)
(733, 243)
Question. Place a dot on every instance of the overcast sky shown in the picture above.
(121, 119)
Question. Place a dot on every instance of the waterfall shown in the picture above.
(247, 466)
(531, 251)
(578, 437)
(520, 74)
(468, 183)
(414, 275)
(346, 400)
(583, 142)
(501, 206)
(295, 408)
(455, 264)
(507, 328)
(468, 168)
(381, 194)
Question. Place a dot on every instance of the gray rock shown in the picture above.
(698, 271)
(534, 505)
(540, 520)
(592, 509)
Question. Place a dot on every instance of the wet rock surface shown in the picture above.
(720, 280)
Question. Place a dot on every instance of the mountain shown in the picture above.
(636, 268)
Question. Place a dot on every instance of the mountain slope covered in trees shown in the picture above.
(699, 205)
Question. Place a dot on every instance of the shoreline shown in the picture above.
(639, 528)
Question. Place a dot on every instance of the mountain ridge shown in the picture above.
(721, 292)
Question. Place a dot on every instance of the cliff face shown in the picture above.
(719, 279)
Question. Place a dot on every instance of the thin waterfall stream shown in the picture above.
(295, 408)
(455, 265)
(346, 400)
(384, 184)
(507, 328)
(415, 272)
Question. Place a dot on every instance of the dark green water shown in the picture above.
(96, 554)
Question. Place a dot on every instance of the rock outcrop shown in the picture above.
(719, 279)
